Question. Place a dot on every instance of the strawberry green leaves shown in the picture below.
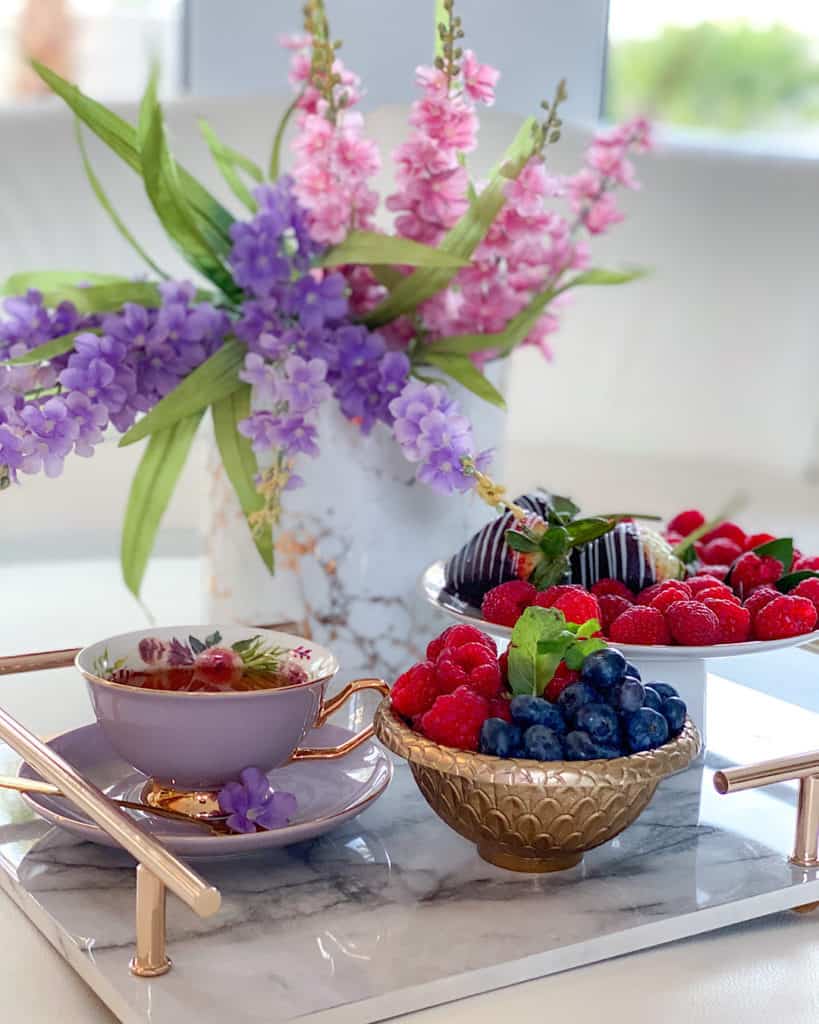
(541, 639)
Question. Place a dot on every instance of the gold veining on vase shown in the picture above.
(531, 815)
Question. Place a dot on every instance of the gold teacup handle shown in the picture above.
(331, 706)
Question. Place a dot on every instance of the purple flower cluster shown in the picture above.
(294, 396)
(432, 432)
(252, 802)
(121, 364)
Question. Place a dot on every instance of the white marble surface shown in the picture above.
(395, 912)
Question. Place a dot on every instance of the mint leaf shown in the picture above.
(535, 626)
(587, 629)
(580, 650)
(790, 580)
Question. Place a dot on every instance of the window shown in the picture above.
(729, 66)
(103, 45)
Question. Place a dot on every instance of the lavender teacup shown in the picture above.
(268, 691)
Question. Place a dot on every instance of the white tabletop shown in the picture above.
(741, 974)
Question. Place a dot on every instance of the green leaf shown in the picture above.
(389, 277)
(536, 625)
(790, 580)
(48, 280)
(163, 187)
(208, 383)
(196, 645)
(463, 370)
(228, 160)
(105, 202)
(121, 137)
(780, 549)
(587, 629)
(522, 542)
(579, 651)
(276, 151)
(51, 349)
(240, 463)
(462, 239)
(581, 531)
(102, 298)
(151, 490)
(213, 639)
(563, 509)
(372, 248)
(598, 275)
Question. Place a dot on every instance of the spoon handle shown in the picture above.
(47, 789)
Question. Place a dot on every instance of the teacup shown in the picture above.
(198, 741)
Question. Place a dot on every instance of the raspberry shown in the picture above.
(472, 665)
(728, 530)
(759, 598)
(810, 562)
(784, 616)
(611, 605)
(675, 586)
(808, 588)
(610, 586)
(640, 625)
(692, 624)
(562, 678)
(666, 596)
(752, 570)
(673, 538)
(457, 636)
(734, 620)
(719, 572)
(503, 665)
(506, 603)
(754, 540)
(415, 691)
(718, 594)
(578, 606)
(703, 582)
(546, 598)
(455, 719)
(686, 522)
(499, 708)
(720, 551)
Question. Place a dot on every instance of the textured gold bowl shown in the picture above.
(534, 815)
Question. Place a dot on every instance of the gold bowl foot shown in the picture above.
(196, 803)
(502, 858)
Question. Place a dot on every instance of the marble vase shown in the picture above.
(350, 548)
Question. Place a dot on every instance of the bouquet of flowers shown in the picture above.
(301, 300)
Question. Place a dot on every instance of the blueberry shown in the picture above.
(664, 690)
(572, 699)
(627, 696)
(608, 752)
(646, 729)
(600, 722)
(542, 744)
(499, 738)
(581, 747)
(603, 669)
(652, 699)
(632, 670)
(674, 711)
(527, 710)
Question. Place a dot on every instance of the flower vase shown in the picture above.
(350, 547)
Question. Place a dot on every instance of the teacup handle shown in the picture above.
(328, 708)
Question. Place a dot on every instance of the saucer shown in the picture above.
(328, 793)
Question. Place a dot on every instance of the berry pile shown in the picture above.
(459, 697)
(739, 587)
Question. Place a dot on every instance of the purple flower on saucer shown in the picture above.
(252, 801)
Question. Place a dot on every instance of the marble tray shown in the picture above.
(394, 912)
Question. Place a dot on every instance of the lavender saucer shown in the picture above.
(328, 793)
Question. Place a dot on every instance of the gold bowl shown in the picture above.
(534, 815)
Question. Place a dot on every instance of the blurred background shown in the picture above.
(681, 389)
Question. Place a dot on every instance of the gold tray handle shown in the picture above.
(328, 708)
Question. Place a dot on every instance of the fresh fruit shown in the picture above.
(665, 690)
(415, 691)
(718, 572)
(630, 552)
(499, 708)
(726, 530)
(752, 570)
(632, 670)
(734, 620)
(604, 669)
(499, 738)
(640, 625)
(503, 665)
(667, 596)
(574, 697)
(759, 597)
(581, 747)
(755, 540)
(472, 665)
(457, 636)
(809, 562)
(611, 605)
(506, 603)
(542, 744)
(527, 710)
(674, 711)
(692, 624)
(652, 699)
(627, 696)
(546, 598)
(600, 722)
(704, 582)
(720, 593)
(686, 522)
(650, 594)
(808, 588)
(578, 606)
(720, 551)
(645, 730)
(455, 719)
(562, 678)
(783, 617)
(612, 588)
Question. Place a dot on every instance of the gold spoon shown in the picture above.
(47, 789)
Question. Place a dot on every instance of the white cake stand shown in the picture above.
(683, 667)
